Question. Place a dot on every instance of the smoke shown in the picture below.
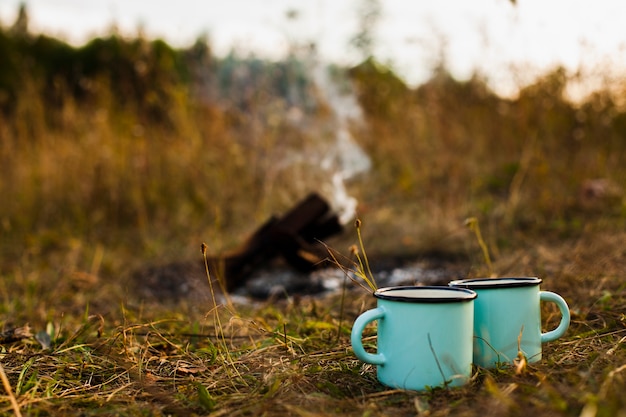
(316, 99)
(343, 158)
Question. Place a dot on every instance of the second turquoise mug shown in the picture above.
(507, 319)
(424, 336)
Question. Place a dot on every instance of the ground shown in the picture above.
(100, 355)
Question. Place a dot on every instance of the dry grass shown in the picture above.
(96, 190)
(294, 357)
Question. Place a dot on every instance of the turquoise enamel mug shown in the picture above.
(424, 336)
(507, 319)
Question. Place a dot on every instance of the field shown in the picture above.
(126, 153)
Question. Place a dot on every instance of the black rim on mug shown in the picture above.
(491, 283)
(425, 294)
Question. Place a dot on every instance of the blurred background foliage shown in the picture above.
(132, 144)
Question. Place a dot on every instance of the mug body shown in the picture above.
(507, 319)
(424, 337)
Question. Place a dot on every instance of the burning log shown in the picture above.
(295, 237)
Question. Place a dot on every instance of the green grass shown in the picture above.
(293, 357)
(95, 188)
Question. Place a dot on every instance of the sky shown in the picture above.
(508, 42)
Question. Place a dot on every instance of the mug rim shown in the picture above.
(462, 294)
(494, 283)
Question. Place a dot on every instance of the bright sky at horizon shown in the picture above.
(509, 43)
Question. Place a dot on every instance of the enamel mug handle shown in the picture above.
(357, 333)
(565, 316)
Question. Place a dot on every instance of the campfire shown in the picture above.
(286, 255)
(295, 238)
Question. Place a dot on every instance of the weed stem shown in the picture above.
(7, 388)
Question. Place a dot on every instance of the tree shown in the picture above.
(20, 27)
(364, 40)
